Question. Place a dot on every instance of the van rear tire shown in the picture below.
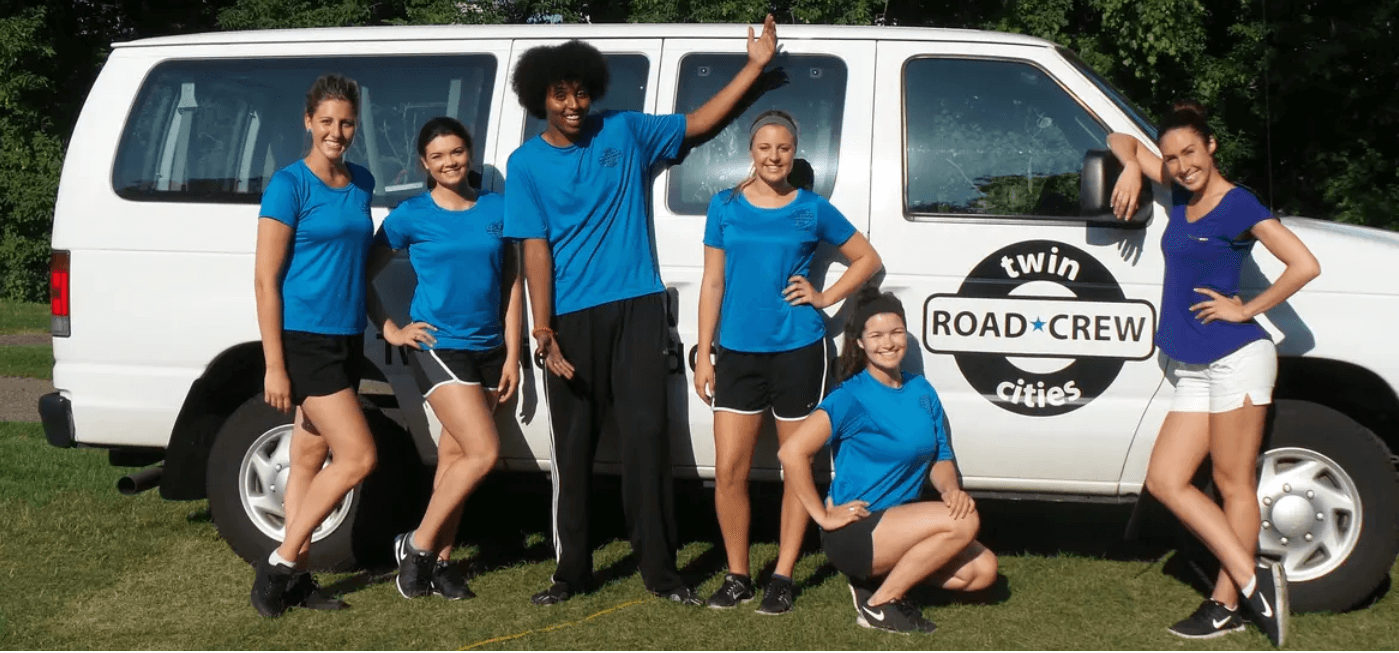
(1327, 485)
(245, 502)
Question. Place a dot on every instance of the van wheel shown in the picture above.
(248, 467)
(1329, 497)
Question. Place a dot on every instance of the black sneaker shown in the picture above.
(860, 595)
(557, 593)
(898, 616)
(1210, 620)
(270, 588)
(682, 595)
(737, 588)
(303, 591)
(414, 567)
(777, 596)
(448, 582)
(1268, 605)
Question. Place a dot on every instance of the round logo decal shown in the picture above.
(1039, 328)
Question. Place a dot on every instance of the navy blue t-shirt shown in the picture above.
(1207, 253)
(763, 248)
(883, 439)
(589, 201)
(323, 289)
(458, 257)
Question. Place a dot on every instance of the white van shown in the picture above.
(975, 163)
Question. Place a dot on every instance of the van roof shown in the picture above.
(584, 31)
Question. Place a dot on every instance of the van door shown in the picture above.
(825, 85)
(1035, 325)
(631, 87)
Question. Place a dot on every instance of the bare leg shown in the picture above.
(794, 516)
(1181, 446)
(972, 569)
(735, 437)
(308, 454)
(1234, 440)
(339, 420)
(914, 541)
(466, 419)
(450, 527)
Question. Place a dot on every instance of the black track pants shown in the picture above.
(619, 382)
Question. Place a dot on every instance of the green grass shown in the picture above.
(33, 361)
(85, 568)
(22, 317)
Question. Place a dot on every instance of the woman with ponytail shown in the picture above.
(887, 433)
(759, 240)
(1221, 363)
(462, 340)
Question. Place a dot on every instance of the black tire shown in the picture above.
(1303, 429)
(390, 501)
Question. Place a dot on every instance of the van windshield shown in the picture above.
(1128, 107)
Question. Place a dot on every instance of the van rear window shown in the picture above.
(809, 87)
(215, 130)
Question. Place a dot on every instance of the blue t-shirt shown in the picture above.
(589, 201)
(458, 257)
(883, 439)
(763, 248)
(323, 288)
(1207, 253)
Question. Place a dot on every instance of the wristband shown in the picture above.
(535, 333)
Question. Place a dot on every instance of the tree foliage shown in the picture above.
(1305, 93)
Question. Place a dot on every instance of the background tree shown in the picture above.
(1305, 93)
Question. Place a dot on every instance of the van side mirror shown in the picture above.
(1100, 171)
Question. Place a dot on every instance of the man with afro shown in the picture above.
(576, 196)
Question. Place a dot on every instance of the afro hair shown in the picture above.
(543, 66)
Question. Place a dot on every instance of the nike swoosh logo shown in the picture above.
(878, 616)
(1267, 609)
(1221, 622)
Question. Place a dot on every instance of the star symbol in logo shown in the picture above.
(1039, 324)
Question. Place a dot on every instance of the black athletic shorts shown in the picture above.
(851, 549)
(320, 365)
(791, 382)
(434, 368)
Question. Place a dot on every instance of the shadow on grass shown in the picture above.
(509, 519)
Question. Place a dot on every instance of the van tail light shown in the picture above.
(59, 306)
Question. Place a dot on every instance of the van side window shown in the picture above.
(626, 89)
(810, 87)
(216, 130)
(992, 138)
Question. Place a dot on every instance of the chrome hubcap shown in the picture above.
(262, 480)
(1311, 512)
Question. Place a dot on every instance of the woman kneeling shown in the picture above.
(886, 432)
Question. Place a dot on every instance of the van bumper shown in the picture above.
(56, 412)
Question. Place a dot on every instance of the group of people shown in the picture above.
(573, 229)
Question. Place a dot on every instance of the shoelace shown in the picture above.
(449, 573)
(908, 610)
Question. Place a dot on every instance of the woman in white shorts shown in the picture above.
(1221, 363)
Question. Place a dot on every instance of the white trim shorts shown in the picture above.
(791, 383)
(1221, 386)
(434, 368)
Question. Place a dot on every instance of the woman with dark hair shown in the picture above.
(312, 243)
(760, 237)
(463, 340)
(576, 195)
(1221, 363)
(887, 434)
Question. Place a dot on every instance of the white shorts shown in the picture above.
(1221, 386)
